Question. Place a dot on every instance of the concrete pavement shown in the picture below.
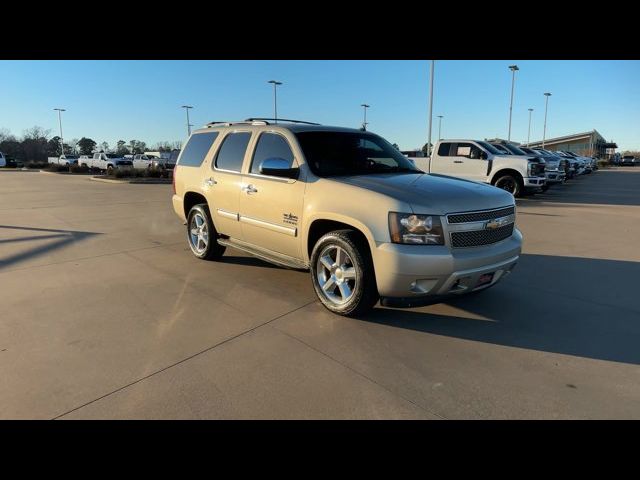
(106, 314)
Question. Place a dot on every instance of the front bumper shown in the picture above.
(419, 273)
(534, 181)
(555, 176)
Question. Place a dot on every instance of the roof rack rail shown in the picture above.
(276, 120)
(244, 122)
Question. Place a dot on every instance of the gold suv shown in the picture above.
(346, 205)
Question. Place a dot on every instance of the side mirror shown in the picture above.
(278, 167)
(483, 155)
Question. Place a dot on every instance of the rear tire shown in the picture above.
(202, 234)
(545, 188)
(342, 273)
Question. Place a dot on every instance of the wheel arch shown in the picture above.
(507, 171)
(323, 224)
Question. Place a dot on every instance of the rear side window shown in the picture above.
(271, 145)
(443, 150)
(196, 149)
(231, 153)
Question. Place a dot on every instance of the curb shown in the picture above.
(18, 170)
(131, 181)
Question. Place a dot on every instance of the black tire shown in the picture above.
(213, 250)
(545, 188)
(364, 289)
(510, 183)
(109, 169)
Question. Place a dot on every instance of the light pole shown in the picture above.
(187, 107)
(433, 64)
(546, 105)
(439, 127)
(514, 69)
(60, 110)
(529, 134)
(275, 98)
(364, 122)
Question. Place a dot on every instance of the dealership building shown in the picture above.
(587, 144)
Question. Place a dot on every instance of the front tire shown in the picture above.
(510, 183)
(342, 273)
(202, 234)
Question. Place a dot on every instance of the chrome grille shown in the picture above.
(480, 216)
(480, 237)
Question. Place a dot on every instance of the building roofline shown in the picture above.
(575, 136)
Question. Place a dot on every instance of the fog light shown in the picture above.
(422, 285)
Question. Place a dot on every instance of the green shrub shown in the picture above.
(53, 167)
(38, 165)
(78, 169)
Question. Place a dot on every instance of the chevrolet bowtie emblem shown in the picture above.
(495, 223)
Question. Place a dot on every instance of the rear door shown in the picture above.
(225, 181)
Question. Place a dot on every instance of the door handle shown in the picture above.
(210, 182)
(458, 161)
(249, 189)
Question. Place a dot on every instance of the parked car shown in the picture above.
(588, 161)
(628, 160)
(345, 205)
(143, 161)
(3, 160)
(64, 160)
(555, 167)
(105, 161)
(482, 162)
(168, 162)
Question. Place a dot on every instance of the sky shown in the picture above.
(113, 100)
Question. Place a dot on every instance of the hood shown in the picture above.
(526, 158)
(432, 193)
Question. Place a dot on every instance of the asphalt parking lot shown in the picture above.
(105, 313)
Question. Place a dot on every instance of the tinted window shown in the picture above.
(443, 150)
(489, 147)
(513, 149)
(196, 149)
(231, 153)
(270, 145)
(350, 153)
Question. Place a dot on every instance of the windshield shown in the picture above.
(350, 153)
(501, 148)
(490, 147)
(513, 149)
(72, 157)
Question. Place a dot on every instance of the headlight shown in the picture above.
(415, 229)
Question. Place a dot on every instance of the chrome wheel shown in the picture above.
(198, 233)
(336, 274)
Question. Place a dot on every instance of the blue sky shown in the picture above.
(112, 100)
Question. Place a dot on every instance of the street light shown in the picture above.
(546, 105)
(433, 65)
(439, 127)
(60, 110)
(275, 98)
(529, 134)
(514, 69)
(187, 107)
(364, 123)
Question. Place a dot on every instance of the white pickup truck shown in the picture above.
(482, 162)
(105, 161)
(64, 160)
(143, 161)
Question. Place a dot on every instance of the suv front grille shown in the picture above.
(476, 238)
(479, 216)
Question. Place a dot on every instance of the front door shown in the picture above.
(271, 207)
(466, 161)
